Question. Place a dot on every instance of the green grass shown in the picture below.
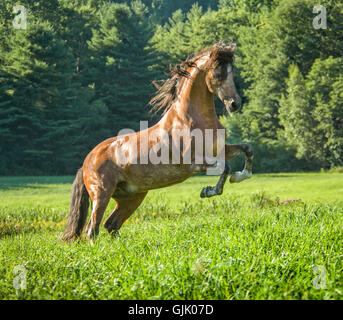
(246, 244)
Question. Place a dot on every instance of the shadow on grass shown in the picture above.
(11, 183)
(16, 228)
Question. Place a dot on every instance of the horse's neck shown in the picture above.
(195, 103)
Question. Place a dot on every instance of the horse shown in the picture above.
(127, 166)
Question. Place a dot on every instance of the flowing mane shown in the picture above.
(220, 54)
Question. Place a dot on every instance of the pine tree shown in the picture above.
(324, 84)
(295, 116)
(121, 64)
(311, 112)
(281, 35)
(43, 95)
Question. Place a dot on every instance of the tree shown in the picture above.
(83, 70)
(121, 66)
(43, 104)
(324, 84)
(295, 116)
(283, 36)
(312, 112)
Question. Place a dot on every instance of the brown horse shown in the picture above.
(126, 167)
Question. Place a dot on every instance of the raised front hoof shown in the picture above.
(208, 192)
(240, 176)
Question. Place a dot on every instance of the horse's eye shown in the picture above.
(220, 73)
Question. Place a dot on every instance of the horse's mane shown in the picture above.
(167, 90)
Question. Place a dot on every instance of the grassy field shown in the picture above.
(249, 243)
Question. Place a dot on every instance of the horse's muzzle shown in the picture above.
(232, 105)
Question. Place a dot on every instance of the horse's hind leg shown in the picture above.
(124, 208)
(99, 204)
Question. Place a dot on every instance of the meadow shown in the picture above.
(265, 238)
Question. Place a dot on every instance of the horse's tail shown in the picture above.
(79, 204)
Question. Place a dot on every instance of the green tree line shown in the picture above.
(82, 70)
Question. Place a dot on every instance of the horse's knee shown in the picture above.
(248, 150)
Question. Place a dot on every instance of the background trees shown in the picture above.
(82, 71)
(312, 112)
(121, 65)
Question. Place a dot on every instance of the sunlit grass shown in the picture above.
(249, 243)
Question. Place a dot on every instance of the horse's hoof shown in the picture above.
(203, 193)
(114, 234)
(240, 176)
(207, 192)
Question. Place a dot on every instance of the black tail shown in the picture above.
(79, 204)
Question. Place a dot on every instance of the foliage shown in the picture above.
(82, 71)
(313, 110)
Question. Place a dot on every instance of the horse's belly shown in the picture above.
(142, 178)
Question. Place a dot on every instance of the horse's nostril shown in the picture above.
(236, 106)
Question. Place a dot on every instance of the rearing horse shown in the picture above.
(188, 100)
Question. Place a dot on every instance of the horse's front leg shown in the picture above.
(233, 150)
(209, 191)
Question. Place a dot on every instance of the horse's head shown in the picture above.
(219, 77)
(217, 63)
